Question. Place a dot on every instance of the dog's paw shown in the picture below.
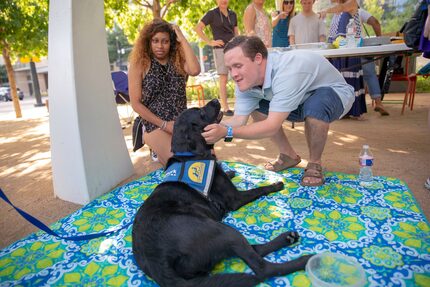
(291, 237)
(230, 173)
(278, 186)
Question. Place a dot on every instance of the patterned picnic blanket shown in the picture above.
(381, 226)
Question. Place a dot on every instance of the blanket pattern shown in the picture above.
(381, 226)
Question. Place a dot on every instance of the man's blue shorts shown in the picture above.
(324, 104)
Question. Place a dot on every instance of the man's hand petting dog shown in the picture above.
(178, 235)
(214, 132)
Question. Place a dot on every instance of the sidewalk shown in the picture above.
(400, 144)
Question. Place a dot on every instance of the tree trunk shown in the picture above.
(156, 9)
(11, 78)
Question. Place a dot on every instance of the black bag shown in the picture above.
(137, 133)
(413, 29)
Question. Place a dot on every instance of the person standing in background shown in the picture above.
(257, 22)
(280, 22)
(306, 27)
(223, 23)
(368, 64)
(350, 67)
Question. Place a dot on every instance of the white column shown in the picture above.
(89, 154)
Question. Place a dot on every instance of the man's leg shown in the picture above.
(287, 155)
(223, 92)
(372, 82)
(320, 109)
(223, 78)
(279, 139)
(316, 132)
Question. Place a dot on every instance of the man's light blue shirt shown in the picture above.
(291, 77)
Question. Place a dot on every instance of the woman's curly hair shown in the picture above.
(142, 53)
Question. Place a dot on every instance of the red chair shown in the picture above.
(411, 78)
(200, 93)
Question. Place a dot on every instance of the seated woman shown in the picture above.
(160, 63)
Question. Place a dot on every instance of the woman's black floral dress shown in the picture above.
(163, 92)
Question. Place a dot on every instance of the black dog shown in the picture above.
(178, 236)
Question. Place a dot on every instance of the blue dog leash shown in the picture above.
(48, 230)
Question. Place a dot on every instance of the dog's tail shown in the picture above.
(223, 280)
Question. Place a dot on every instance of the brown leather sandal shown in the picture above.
(382, 111)
(313, 170)
(282, 162)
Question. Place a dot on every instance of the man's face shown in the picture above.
(222, 3)
(244, 71)
(307, 4)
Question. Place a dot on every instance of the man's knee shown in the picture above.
(324, 105)
(258, 116)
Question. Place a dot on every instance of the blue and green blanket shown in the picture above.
(381, 226)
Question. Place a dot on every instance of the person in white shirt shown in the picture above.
(306, 27)
(272, 87)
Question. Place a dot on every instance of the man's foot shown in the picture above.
(228, 113)
(282, 162)
(313, 175)
(358, 118)
(381, 110)
(427, 183)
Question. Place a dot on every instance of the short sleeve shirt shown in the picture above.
(222, 27)
(291, 78)
(306, 29)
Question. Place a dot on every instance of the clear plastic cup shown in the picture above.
(335, 270)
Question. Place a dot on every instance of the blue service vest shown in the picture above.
(197, 174)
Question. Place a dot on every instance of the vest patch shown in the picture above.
(197, 174)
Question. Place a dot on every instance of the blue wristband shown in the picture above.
(229, 136)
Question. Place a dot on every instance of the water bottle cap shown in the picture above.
(365, 146)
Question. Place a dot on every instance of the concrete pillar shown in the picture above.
(89, 154)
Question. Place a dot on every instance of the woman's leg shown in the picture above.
(160, 142)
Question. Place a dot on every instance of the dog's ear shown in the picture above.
(202, 114)
(179, 138)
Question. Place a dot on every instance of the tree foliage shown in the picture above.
(23, 32)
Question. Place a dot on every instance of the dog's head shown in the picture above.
(189, 126)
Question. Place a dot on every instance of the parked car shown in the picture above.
(6, 94)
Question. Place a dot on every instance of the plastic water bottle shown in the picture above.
(350, 34)
(366, 161)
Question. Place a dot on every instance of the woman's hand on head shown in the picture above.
(179, 35)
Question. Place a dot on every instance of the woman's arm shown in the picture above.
(349, 6)
(191, 65)
(249, 20)
(135, 76)
(427, 24)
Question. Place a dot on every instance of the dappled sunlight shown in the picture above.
(398, 151)
(257, 147)
(27, 168)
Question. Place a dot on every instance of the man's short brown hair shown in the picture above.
(251, 45)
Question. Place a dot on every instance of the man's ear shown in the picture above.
(258, 58)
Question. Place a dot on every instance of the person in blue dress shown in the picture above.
(350, 67)
(280, 22)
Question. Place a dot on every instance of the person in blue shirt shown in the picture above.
(280, 22)
(298, 85)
